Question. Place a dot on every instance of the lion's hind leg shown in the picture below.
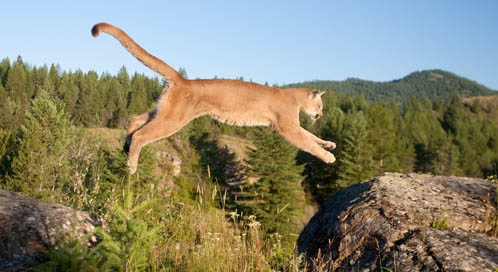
(156, 129)
(135, 124)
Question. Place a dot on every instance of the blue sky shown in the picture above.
(274, 41)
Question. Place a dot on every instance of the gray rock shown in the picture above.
(405, 223)
(28, 227)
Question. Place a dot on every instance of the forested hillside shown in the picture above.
(417, 124)
(436, 85)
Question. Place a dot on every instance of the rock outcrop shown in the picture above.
(28, 227)
(409, 222)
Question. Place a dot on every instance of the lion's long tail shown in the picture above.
(143, 56)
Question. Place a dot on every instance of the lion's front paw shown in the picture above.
(329, 158)
(329, 145)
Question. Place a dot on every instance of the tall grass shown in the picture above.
(151, 233)
(200, 237)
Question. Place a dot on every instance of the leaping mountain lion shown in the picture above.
(230, 101)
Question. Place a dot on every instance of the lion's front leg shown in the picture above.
(323, 143)
(304, 141)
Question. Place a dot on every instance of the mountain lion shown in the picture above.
(231, 101)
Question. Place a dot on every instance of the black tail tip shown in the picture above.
(96, 29)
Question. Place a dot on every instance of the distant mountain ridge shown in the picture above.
(432, 84)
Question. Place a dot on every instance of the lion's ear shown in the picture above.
(317, 93)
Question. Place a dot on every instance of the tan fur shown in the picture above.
(230, 101)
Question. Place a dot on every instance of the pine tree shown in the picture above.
(4, 70)
(68, 92)
(472, 142)
(37, 78)
(388, 148)
(154, 89)
(448, 158)
(124, 78)
(426, 135)
(133, 238)
(404, 155)
(16, 84)
(356, 162)
(276, 198)
(53, 76)
(101, 93)
(85, 110)
(119, 116)
(138, 95)
(39, 166)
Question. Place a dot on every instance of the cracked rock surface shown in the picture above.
(28, 227)
(405, 223)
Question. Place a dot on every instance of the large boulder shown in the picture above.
(28, 227)
(399, 222)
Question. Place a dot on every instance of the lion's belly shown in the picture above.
(240, 119)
